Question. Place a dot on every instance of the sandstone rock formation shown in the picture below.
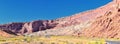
(85, 16)
(37, 26)
(75, 23)
(100, 22)
(28, 27)
(106, 26)
(13, 27)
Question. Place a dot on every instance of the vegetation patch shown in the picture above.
(51, 40)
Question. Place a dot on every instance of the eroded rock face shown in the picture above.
(38, 26)
(106, 26)
(85, 16)
(28, 27)
(13, 27)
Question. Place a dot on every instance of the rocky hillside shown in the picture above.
(100, 22)
(4, 33)
(28, 27)
(107, 26)
(39, 25)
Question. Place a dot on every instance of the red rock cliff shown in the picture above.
(106, 26)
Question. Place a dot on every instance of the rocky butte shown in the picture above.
(101, 22)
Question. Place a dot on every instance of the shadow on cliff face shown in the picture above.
(12, 28)
(28, 27)
(39, 25)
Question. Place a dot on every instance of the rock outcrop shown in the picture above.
(13, 27)
(28, 27)
(106, 26)
(37, 26)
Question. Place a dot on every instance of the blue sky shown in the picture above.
(28, 10)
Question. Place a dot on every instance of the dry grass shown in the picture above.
(50, 40)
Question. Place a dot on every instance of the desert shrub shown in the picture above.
(52, 40)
